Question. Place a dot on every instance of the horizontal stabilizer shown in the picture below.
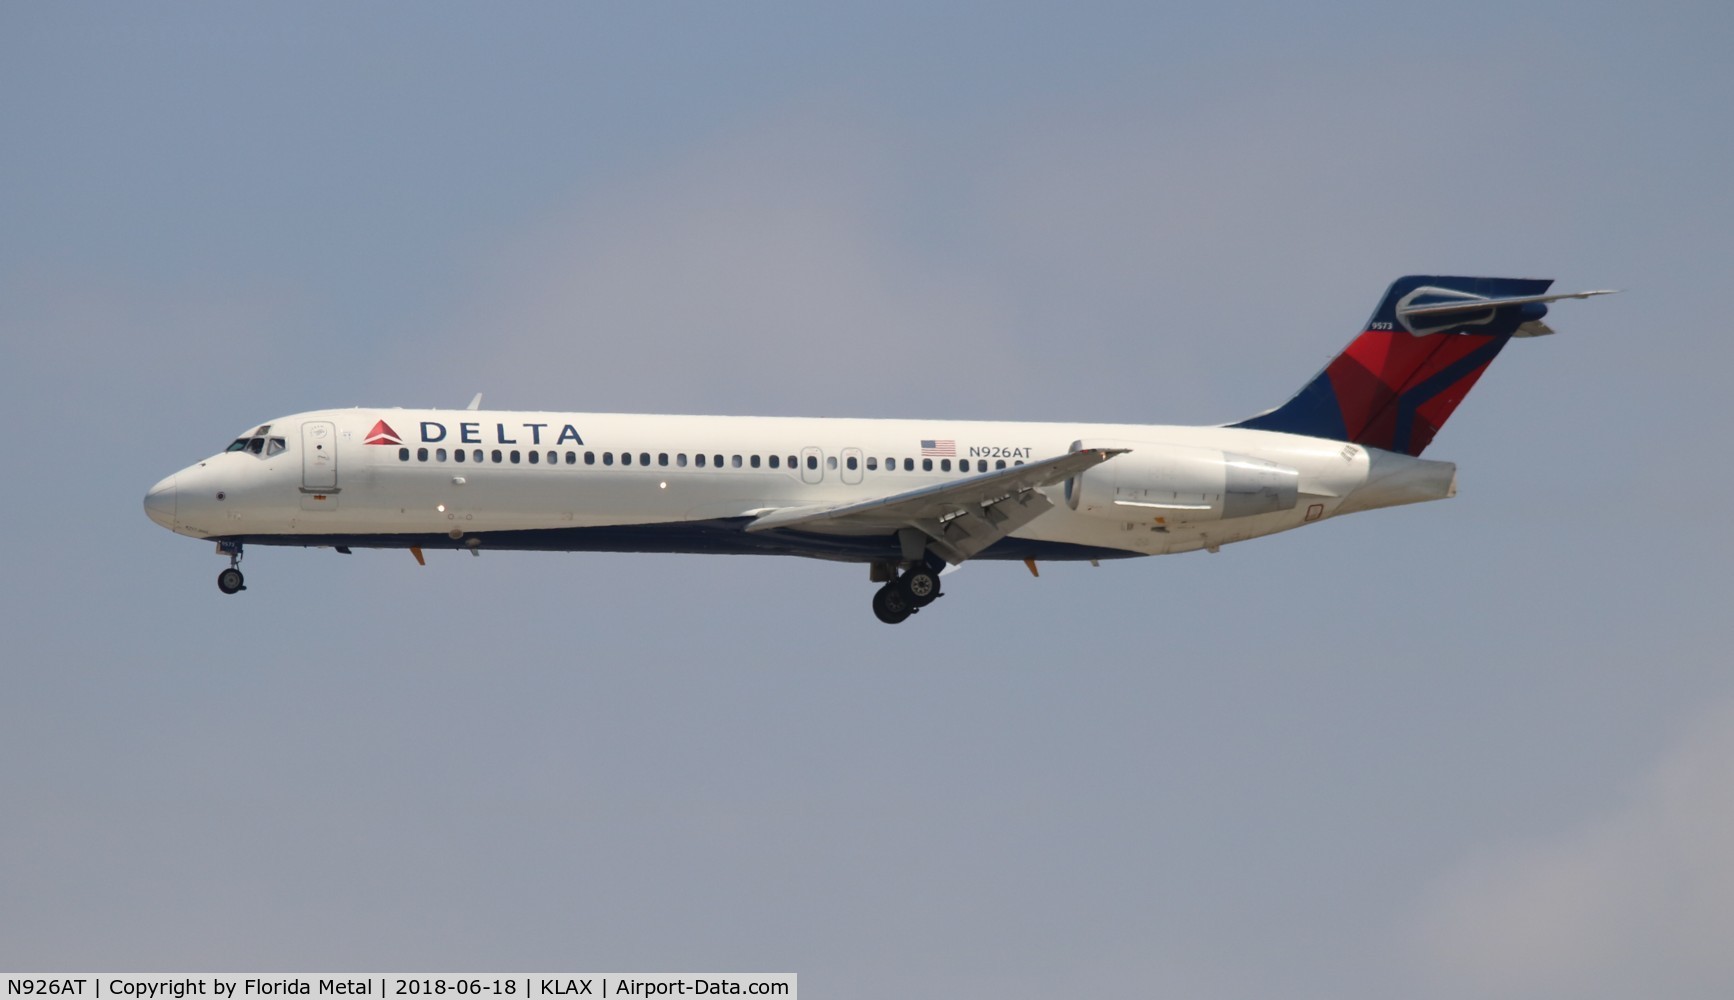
(1461, 302)
(1429, 309)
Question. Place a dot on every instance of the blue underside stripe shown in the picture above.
(714, 537)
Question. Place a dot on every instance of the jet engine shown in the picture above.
(1180, 483)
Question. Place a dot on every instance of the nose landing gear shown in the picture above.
(230, 581)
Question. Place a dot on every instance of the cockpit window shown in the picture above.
(259, 444)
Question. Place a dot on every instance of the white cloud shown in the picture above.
(1638, 902)
(761, 274)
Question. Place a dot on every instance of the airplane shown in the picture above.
(909, 498)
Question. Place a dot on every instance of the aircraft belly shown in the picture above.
(713, 537)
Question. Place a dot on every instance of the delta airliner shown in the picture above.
(906, 497)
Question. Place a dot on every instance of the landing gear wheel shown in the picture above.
(230, 581)
(892, 603)
(922, 585)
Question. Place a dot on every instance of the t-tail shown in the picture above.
(1429, 341)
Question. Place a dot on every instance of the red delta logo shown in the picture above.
(382, 434)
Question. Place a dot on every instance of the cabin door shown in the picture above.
(318, 465)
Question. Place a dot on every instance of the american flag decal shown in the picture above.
(945, 448)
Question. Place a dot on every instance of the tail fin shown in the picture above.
(1395, 385)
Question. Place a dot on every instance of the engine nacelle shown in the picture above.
(1178, 483)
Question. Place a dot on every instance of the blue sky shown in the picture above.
(1476, 747)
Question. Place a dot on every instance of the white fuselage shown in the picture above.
(599, 481)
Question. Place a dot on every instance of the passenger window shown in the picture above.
(589, 458)
(680, 460)
(831, 462)
(698, 460)
(737, 462)
(403, 454)
(999, 464)
(439, 454)
(851, 463)
(718, 460)
(662, 459)
(535, 457)
(927, 465)
(457, 454)
(909, 465)
(945, 465)
(421, 454)
(571, 458)
(754, 461)
(553, 458)
(515, 456)
(477, 454)
(773, 461)
(607, 458)
(812, 461)
(276, 446)
(626, 458)
(644, 458)
(497, 457)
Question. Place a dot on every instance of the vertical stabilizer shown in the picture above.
(1427, 343)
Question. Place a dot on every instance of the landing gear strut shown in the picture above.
(230, 581)
(905, 595)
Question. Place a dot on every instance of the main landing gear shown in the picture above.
(903, 596)
(230, 581)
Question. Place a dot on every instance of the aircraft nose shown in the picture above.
(159, 503)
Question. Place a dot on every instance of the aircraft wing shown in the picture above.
(959, 518)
